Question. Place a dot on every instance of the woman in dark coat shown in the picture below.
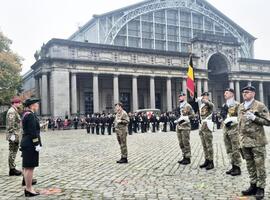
(30, 144)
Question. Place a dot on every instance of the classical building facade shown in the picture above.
(139, 55)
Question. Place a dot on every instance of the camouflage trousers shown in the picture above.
(232, 145)
(13, 149)
(121, 135)
(184, 142)
(207, 142)
(255, 159)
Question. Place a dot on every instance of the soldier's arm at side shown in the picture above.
(262, 117)
(125, 119)
(10, 123)
(31, 123)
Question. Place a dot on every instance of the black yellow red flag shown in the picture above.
(191, 78)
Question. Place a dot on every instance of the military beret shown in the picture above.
(249, 88)
(205, 94)
(30, 101)
(229, 90)
(181, 94)
(16, 100)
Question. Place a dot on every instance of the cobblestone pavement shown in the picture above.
(83, 166)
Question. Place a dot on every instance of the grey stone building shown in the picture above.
(139, 55)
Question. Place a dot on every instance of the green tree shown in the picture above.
(10, 68)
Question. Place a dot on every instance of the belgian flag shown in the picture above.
(191, 79)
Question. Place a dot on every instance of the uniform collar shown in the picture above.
(230, 102)
(247, 104)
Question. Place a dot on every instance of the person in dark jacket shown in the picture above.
(88, 123)
(30, 144)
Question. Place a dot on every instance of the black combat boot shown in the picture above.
(34, 182)
(230, 171)
(180, 161)
(14, 172)
(204, 164)
(250, 191)
(122, 161)
(186, 161)
(259, 194)
(210, 165)
(236, 171)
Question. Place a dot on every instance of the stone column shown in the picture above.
(237, 90)
(249, 83)
(115, 89)
(199, 87)
(134, 93)
(152, 93)
(231, 84)
(184, 85)
(205, 85)
(44, 94)
(37, 92)
(169, 94)
(60, 93)
(74, 108)
(95, 93)
(261, 92)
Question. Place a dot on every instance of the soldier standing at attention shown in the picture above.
(185, 112)
(13, 122)
(121, 128)
(253, 115)
(229, 114)
(206, 110)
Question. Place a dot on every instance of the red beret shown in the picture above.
(16, 100)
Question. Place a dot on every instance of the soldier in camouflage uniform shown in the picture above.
(206, 110)
(121, 128)
(229, 113)
(13, 128)
(252, 116)
(184, 114)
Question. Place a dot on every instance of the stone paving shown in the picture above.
(83, 166)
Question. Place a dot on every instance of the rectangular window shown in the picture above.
(134, 28)
(197, 21)
(172, 17)
(160, 45)
(185, 34)
(173, 33)
(147, 44)
(160, 16)
(147, 17)
(160, 30)
(120, 41)
(185, 19)
(173, 46)
(134, 42)
(147, 30)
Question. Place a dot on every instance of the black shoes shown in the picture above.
(122, 161)
(14, 172)
(252, 190)
(236, 171)
(210, 165)
(204, 165)
(29, 194)
(259, 194)
(34, 182)
(184, 161)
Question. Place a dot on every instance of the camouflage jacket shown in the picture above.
(185, 110)
(206, 109)
(13, 124)
(230, 111)
(121, 120)
(252, 133)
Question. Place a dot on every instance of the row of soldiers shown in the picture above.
(243, 132)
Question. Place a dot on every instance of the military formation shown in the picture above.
(242, 123)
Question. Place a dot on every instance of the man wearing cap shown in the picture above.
(13, 123)
(206, 110)
(252, 116)
(184, 114)
(229, 113)
(121, 128)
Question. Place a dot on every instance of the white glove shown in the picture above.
(231, 119)
(250, 116)
(119, 121)
(12, 138)
(38, 148)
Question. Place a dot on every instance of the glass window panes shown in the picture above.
(208, 25)
(185, 34)
(134, 28)
(160, 16)
(120, 41)
(147, 43)
(219, 30)
(134, 42)
(173, 33)
(184, 47)
(173, 46)
(197, 21)
(172, 17)
(147, 17)
(185, 19)
(160, 45)
(147, 30)
(123, 31)
(160, 30)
